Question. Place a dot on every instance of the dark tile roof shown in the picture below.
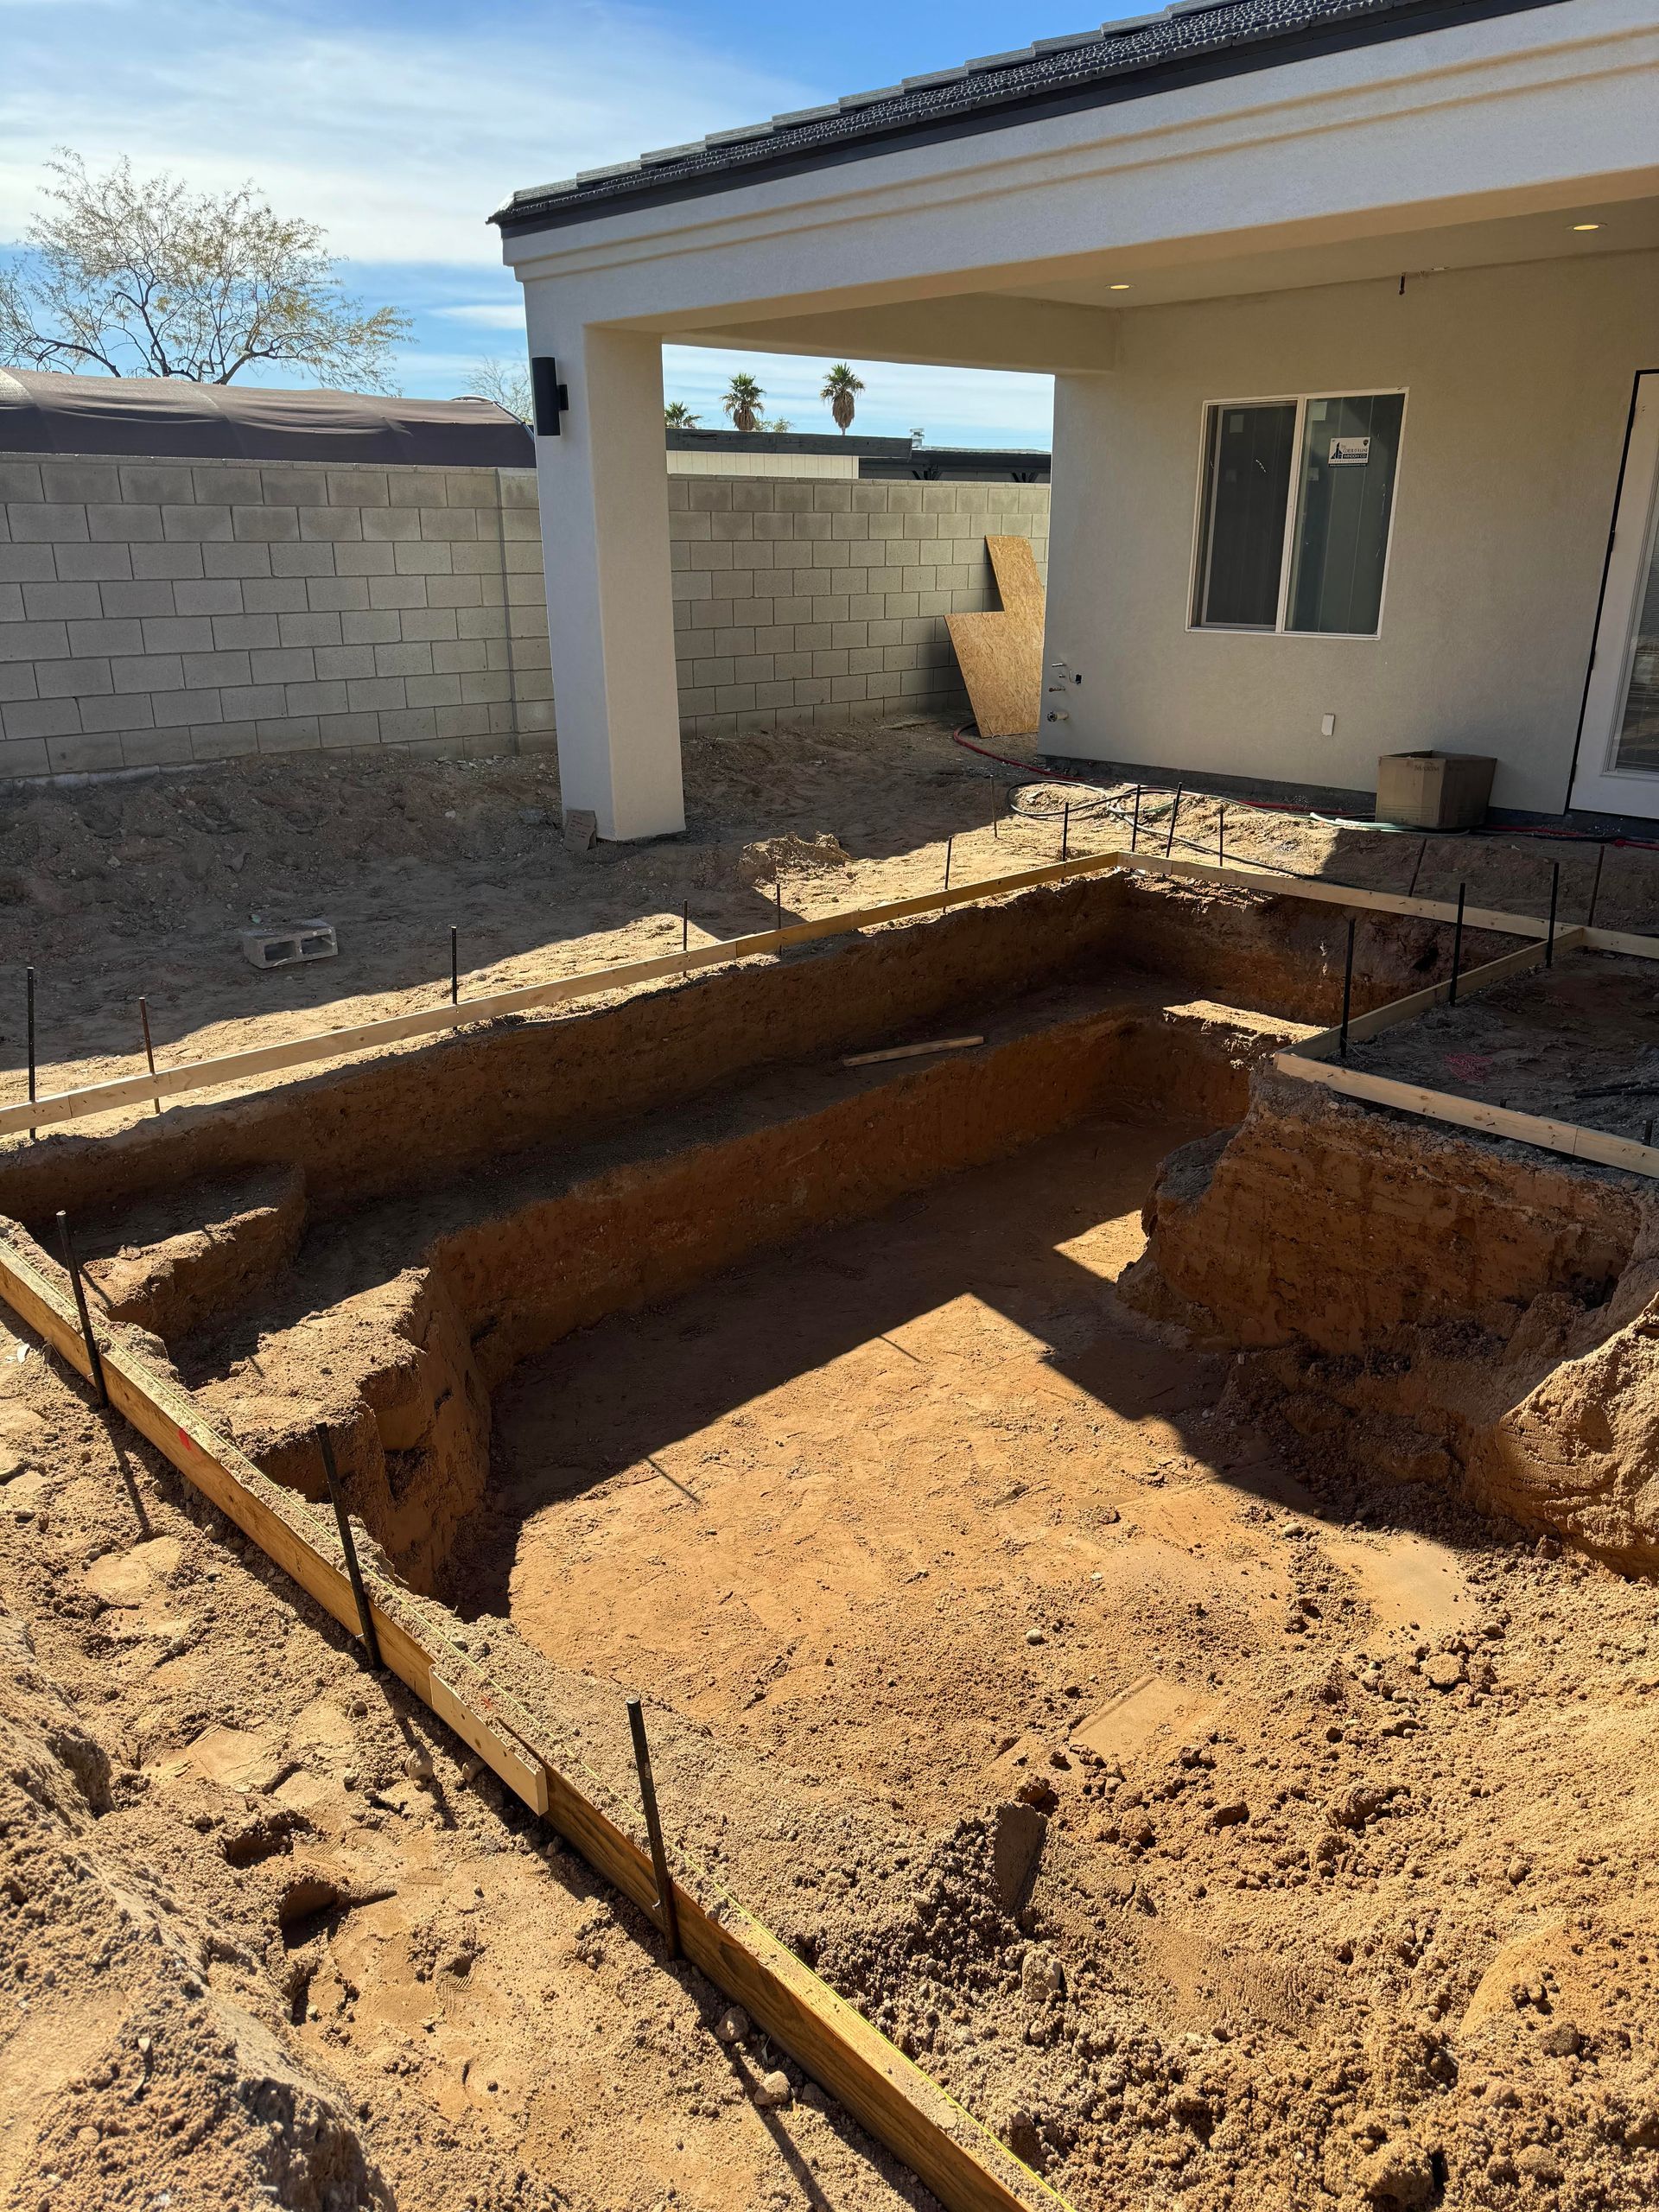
(1122, 60)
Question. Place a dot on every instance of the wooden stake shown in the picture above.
(667, 1919)
(911, 1052)
(349, 1545)
(149, 1049)
(72, 1262)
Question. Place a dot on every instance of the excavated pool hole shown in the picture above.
(798, 1397)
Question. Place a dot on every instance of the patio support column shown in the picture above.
(603, 485)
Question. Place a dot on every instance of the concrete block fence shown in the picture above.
(812, 602)
(158, 613)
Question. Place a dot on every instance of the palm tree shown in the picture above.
(742, 402)
(840, 388)
(678, 415)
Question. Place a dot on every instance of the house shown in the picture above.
(1353, 311)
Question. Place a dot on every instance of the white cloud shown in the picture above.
(489, 315)
(398, 138)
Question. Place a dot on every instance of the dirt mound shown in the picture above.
(772, 859)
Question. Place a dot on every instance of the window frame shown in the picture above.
(1301, 401)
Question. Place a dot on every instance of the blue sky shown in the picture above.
(399, 124)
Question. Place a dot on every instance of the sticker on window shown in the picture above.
(1350, 452)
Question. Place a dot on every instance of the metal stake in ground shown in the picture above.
(1220, 836)
(347, 1544)
(1169, 842)
(949, 843)
(667, 1918)
(1066, 831)
(94, 1358)
(29, 993)
(1595, 888)
(149, 1049)
(1554, 898)
(1456, 945)
(455, 966)
(1347, 989)
(996, 810)
(685, 927)
(1134, 825)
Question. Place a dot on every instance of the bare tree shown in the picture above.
(140, 277)
(507, 383)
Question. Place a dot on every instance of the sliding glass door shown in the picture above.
(1618, 746)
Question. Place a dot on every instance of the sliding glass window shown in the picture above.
(1319, 472)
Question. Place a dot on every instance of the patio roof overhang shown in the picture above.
(1469, 136)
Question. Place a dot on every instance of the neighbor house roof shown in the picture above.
(1122, 60)
(170, 418)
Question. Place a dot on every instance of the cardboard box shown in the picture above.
(1434, 791)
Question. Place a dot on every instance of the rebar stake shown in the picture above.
(1169, 842)
(72, 1262)
(455, 965)
(1347, 989)
(949, 843)
(349, 1545)
(1066, 831)
(1554, 898)
(29, 994)
(1134, 825)
(1595, 888)
(149, 1049)
(1221, 837)
(685, 927)
(1456, 945)
(667, 1917)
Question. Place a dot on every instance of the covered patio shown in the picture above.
(1352, 310)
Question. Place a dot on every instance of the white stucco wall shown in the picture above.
(1519, 382)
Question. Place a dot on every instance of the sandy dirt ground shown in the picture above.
(269, 1937)
(115, 890)
(1579, 1043)
(1345, 1898)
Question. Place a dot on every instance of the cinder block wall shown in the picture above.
(811, 602)
(158, 611)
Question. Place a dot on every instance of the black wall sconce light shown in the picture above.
(549, 397)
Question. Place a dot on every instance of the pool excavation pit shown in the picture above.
(1069, 1503)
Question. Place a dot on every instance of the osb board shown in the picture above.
(1001, 655)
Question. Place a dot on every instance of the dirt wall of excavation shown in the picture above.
(1430, 1307)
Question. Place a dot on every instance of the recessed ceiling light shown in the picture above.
(1120, 288)
(1587, 227)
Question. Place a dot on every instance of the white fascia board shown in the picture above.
(1544, 107)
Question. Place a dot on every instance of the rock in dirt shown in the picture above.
(1399, 2175)
(1443, 1670)
(772, 2091)
(1042, 1978)
(1016, 1842)
(1039, 1793)
(1561, 2040)
(732, 2024)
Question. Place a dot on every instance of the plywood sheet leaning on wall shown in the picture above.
(1001, 655)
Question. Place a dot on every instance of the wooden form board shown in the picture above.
(965, 2166)
(1313, 1061)
(401, 1029)
(1000, 653)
